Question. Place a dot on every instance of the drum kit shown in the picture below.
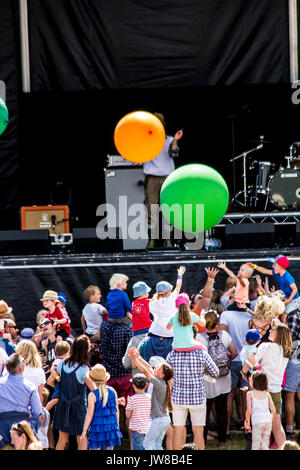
(266, 185)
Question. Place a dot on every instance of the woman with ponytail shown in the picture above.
(182, 323)
(161, 379)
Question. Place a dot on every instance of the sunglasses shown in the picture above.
(45, 323)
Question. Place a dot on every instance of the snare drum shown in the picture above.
(284, 188)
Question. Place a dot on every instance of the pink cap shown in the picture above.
(183, 298)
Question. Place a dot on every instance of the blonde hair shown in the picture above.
(103, 392)
(278, 305)
(284, 339)
(117, 279)
(62, 347)
(247, 269)
(264, 308)
(291, 445)
(184, 316)
(163, 295)
(28, 351)
(90, 290)
(45, 396)
(230, 282)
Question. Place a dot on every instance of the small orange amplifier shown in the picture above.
(52, 218)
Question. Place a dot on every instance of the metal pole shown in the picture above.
(293, 36)
(24, 37)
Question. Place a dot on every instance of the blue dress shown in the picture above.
(104, 429)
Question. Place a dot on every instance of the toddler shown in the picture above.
(62, 351)
(252, 339)
(117, 302)
(241, 294)
(93, 314)
(50, 302)
(140, 309)
(260, 410)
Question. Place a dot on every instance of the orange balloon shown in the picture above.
(139, 136)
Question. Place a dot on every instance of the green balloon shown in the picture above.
(3, 116)
(194, 198)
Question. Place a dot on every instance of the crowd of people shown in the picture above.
(158, 370)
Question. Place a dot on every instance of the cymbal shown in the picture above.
(258, 141)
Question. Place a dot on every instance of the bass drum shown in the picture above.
(284, 188)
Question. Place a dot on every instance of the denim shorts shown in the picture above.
(292, 383)
(237, 380)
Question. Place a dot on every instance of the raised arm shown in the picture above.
(181, 270)
(223, 266)
(204, 303)
(140, 363)
(260, 269)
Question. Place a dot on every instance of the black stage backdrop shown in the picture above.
(23, 286)
(96, 44)
(9, 145)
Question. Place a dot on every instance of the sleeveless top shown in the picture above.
(104, 428)
(71, 409)
(260, 411)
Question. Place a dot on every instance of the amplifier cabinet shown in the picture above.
(55, 219)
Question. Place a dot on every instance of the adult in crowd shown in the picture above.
(188, 393)
(156, 171)
(236, 323)
(8, 330)
(273, 357)
(292, 379)
(71, 408)
(264, 313)
(6, 311)
(217, 392)
(19, 398)
(23, 438)
(47, 345)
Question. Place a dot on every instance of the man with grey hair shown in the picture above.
(19, 399)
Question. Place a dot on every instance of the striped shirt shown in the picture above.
(140, 407)
(188, 386)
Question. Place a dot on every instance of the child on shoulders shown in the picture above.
(141, 321)
(241, 293)
(93, 314)
(118, 304)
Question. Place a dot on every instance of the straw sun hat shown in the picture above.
(98, 374)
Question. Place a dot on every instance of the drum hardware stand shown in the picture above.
(244, 175)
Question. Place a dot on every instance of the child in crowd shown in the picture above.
(161, 378)
(117, 302)
(140, 309)
(138, 411)
(241, 294)
(62, 300)
(261, 410)
(102, 418)
(62, 351)
(50, 301)
(228, 293)
(93, 314)
(42, 433)
(162, 305)
(182, 323)
(286, 282)
(252, 339)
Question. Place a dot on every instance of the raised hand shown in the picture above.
(211, 272)
(181, 270)
(222, 265)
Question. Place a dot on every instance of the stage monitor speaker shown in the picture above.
(27, 242)
(250, 235)
(85, 240)
(55, 219)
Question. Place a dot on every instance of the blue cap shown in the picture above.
(252, 336)
(163, 286)
(62, 297)
(140, 288)
(27, 333)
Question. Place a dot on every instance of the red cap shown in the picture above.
(282, 261)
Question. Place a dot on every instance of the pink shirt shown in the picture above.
(241, 295)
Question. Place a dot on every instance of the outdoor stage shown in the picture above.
(23, 279)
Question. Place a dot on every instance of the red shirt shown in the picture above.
(58, 315)
(140, 314)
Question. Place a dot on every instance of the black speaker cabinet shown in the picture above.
(250, 235)
(85, 240)
(24, 242)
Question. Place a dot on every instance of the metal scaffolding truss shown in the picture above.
(278, 218)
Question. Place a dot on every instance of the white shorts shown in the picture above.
(197, 413)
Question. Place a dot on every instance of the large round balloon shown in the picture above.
(200, 195)
(139, 136)
(3, 116)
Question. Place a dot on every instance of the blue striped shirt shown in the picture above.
(189, 366)
(18, 394)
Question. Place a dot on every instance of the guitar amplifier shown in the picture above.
(52, 218)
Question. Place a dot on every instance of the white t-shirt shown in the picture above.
(93, 317)
(270, 357)
(162, 310)
(222, 384)
(3, 359)
(42, 433)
